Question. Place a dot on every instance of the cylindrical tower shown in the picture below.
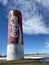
(15, 36)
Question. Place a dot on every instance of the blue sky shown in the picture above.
(35, 19)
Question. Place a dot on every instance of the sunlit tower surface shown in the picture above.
(15, 36)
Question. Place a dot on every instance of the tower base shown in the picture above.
(15, 52)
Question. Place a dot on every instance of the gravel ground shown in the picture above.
(23, 62)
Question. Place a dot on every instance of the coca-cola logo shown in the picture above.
(14, 26)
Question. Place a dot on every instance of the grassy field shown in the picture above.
(23, 62)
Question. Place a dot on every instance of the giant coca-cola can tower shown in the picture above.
(15, 36)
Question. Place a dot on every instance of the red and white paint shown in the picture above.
(15, 36)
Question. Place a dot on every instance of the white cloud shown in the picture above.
(46, 47)
(4, 2)
(32, 22)
(35, 26)
(45, 3)
(47, 44)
